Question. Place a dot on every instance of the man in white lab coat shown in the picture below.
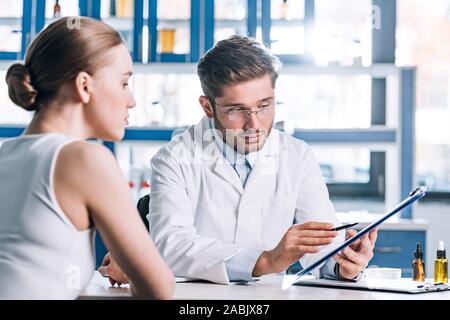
(226, 192)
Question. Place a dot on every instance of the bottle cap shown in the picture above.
(418, 254)
(145, 184)
(440, 254)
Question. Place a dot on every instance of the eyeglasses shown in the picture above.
(238, 114)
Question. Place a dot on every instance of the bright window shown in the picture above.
(423, 30)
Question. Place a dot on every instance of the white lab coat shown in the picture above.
(200, 215)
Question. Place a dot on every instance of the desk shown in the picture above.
(267, 288)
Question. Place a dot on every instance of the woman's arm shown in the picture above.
(88, 174)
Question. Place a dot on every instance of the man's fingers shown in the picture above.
(338, 258)
(103, 270)
(373, 235)
(106, 260)
(315, 233)
(355, 245)
(314, 226)
(346, 265)
(302, 249)
(313, 241)
(366, 248)
(355, 257)
(350, 233)
(112, 281)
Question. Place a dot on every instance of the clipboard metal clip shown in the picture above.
(434, 286)
(421, 189)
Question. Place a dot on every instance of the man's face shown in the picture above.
(243, 131)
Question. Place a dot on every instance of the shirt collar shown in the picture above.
(229, 153)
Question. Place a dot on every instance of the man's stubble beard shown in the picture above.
(231, 136)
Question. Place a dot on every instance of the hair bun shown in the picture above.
(20, 89)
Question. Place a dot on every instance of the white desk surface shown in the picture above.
(267, 288)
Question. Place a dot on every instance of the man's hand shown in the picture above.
(110, 269)
(298, 240)
(355, 258)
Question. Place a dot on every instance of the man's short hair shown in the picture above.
(235, 60)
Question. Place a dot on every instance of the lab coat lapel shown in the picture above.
(250, 213)
(207, 147)
(265, 170)
(224, 169)
(261, 184)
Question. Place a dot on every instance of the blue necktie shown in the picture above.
(243, 169)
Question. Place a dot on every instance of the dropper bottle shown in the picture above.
(285, 14)
(56, 10)
(441, 265)
(418, 264)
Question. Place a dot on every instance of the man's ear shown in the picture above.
(206, 105)
(83, 87)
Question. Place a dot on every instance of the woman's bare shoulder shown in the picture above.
(86, 164)
(85, 154)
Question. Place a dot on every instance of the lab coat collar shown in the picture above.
(206, 148)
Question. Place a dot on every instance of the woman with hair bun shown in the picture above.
(57, 188)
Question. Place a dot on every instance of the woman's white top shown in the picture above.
(42, 254)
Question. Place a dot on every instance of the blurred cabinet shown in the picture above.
(174, 35)
(20, 21)
(286, 27)
(394, 249)
(364, 108)
(127, 17)
(224, 18)
(346, 100)
(15, 28)
(155, 32)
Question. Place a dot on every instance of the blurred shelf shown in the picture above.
(120, 24)
(11, 21)
(165, 67)
(287, 23)
(9, 57)
(348, 136)
(382, 70)
(127, 23)
(375, 71)
(353, 136)
(379, 70)
(149, 134)
(9, 131)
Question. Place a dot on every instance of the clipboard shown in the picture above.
(402, 285)
(415, 195)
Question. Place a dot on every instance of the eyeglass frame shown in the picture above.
(246, 112)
